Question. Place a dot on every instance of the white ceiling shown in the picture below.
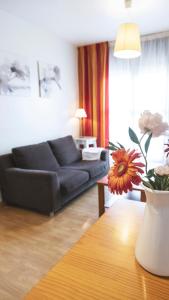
(88, 21)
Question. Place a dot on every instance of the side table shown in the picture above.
(101, 198)
(85, 142)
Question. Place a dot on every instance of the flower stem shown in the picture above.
(144, 135)
(144, 156)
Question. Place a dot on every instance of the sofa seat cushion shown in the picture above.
(94, 167)
(71, 180)
(35, 157)
(65, 150)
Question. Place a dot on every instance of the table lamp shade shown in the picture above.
(127, 43)
(80, 113)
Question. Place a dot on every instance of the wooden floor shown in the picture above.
(30, 243)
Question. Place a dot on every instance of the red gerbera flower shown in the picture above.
(124, 171)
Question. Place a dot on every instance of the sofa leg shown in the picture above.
(51, 214)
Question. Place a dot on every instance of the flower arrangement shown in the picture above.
(127, 170)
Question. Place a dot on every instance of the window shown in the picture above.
(137, 85)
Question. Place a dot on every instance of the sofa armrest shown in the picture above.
(33, 189)
(104, 155)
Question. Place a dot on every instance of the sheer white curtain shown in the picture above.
(137, 85)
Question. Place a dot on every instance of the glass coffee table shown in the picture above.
(102, 183)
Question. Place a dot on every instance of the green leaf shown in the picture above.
(114, 147)
(121, 146)
(164, 183)
(133, 136)
(157, 182)
(111, 148)
(147, 143)
(147, 184)
(150, 173)
(111, 143)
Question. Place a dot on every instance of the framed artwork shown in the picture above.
(14, 75)
(49, 79)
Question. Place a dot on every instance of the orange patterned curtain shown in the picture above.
(93, 66)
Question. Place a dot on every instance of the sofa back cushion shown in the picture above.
(65, 150)
(35, 157)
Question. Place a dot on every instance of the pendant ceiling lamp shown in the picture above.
(127, 43)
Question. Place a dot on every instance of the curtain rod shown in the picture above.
(153, 36)
(149, 37)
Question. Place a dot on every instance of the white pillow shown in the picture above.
(91, 153)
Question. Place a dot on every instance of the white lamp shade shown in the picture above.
(127, 43)
(80, 113)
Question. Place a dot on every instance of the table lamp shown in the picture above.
(80, 114)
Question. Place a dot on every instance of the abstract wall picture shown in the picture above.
(49, 79)
(14, 76)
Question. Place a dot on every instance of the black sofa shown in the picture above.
(44, 177)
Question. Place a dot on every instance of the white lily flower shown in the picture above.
(162, 170)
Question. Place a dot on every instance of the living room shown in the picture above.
(84, 89)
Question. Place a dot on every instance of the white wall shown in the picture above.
(29, 120)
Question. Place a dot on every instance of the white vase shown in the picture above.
(152, 247)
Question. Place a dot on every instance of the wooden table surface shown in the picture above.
(102, 265)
